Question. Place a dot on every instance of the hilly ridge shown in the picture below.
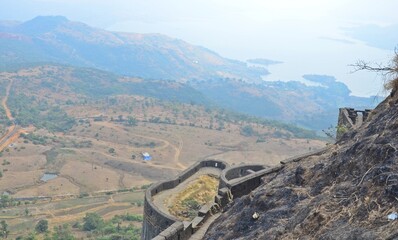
(226, 83)
(314, 107)
(45, 90)
(56, 39)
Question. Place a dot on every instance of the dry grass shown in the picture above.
(86, 169)
(393, 73)
(199, 192)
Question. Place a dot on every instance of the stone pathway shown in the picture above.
(203, 229)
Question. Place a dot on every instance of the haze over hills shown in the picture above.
(105, 114)
(315, 107)
(56, 39)
(224, 82)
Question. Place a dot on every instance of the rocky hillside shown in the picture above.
(345, 193)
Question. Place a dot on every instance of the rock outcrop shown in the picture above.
(345, 193)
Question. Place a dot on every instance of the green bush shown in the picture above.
(92, 221)
(42, 226)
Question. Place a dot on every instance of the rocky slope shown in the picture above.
(345, 193)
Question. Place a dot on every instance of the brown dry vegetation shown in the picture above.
(199, 192)
(393, 84)
(93, 168)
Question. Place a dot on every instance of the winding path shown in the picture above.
(166, 143)
(14, 131)
(4, 101)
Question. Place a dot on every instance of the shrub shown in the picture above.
(42, 226)
(92, 221)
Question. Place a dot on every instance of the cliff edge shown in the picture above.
(347, 192)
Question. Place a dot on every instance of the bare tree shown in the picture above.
(390, 71)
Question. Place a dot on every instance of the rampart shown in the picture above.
(156, 221)
(235, 181)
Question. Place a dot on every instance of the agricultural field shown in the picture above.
(23, 218)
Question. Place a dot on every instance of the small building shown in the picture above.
(146, 156)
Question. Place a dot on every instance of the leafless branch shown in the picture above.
(389, 72)
(362, 65)
(392, 68)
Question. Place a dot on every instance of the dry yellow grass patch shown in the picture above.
(198, 193)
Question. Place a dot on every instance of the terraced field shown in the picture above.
(23, 218)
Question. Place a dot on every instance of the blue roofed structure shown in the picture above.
(146, 156)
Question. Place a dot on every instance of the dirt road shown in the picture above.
(4, 102)
(166, 143)
(14, 131)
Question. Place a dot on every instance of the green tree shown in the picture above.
(62, 233)
(131, 121)
(247, 131)
(6, 201)
(4, 229)
(42, 226)
(92, 221)
(31, 236)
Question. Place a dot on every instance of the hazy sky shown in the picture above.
(309, 36)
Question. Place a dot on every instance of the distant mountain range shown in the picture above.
(222, 82)
(56, 39)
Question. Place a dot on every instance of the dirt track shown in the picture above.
(4, 101)
(13, 132)
(177, 150)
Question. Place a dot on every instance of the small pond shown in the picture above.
(48, 176)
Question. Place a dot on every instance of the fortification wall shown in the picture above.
(234, 183)
(155, 221)
(246, 184)
(232, 173)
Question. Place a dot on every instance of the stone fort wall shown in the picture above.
(235, 182)
(155, 221)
